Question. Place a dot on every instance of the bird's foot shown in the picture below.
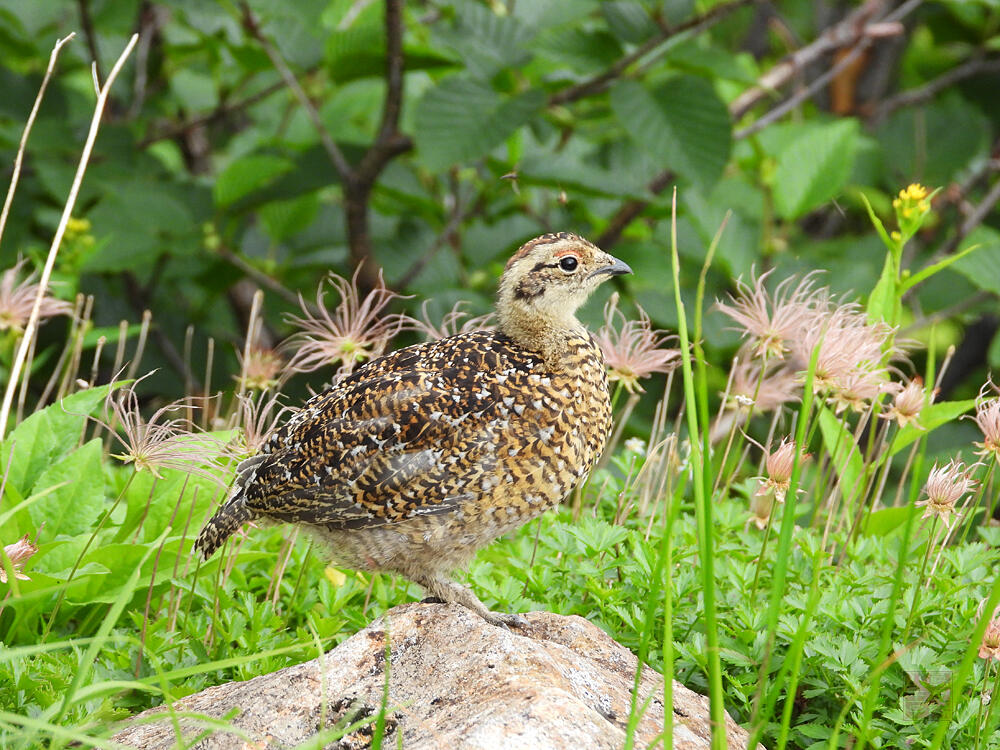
(432, 600)
(505, 620)
(443, 590)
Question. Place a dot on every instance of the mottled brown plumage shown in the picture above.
(420, 457)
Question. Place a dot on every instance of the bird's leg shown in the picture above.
(441, 588)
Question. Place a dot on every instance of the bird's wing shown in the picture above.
(390, 446)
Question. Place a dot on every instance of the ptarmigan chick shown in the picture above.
(421, 457)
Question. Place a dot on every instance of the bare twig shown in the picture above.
(631, 209)
(974, 67)
(357, 181)
(27, 130)
(265, 280)
(458, 215)
(88, 33)
(973, 220)
(927, 321)
(388, 144)
(864, 36)
(224, 108)
(251, 24)
(858, 26)
(43, 282)
(599, 82)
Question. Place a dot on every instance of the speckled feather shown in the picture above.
(424, 455)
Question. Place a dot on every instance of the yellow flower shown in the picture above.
(914, 192)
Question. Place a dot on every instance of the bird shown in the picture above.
(419, 458)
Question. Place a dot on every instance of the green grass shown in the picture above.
(84, 677)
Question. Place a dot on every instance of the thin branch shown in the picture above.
(262, 278)
(43, 282)
(458, 215)
(927, 321)
(599, 82)
(974, 67)
(27, 131)
(631, 209)
(89, 34)
(251, 24)
(854, 28)
(974, 219)
(389, 142)
(889, 26)
(223, 109)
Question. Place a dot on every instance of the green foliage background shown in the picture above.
(517, 118)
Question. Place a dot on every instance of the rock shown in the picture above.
(454, 682)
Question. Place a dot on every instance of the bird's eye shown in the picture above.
(568, 263)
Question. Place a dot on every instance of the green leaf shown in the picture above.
(840, 445)
(245, 175)
(45, 436)
(76, 501)
(681, 123)
(814, 167)
(983, 267)
(137, 220)
(461, 120)
(931, 417)
(485, 41)
(933, 268)
(358, 51)
(882, 302)
(628, 20)
(282, 219)
(885, 521)
(879, 226)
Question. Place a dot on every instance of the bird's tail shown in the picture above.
(226, 521)
(233, 513)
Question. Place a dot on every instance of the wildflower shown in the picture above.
(636, 445)
(911, 207)
(851, 350)
(770, 321)
(452, 323)
(259, 418)
(158, 443)
(945, 486)
(748, 389)
(857, 388)
(779, 464)
(17, 553)
(990, 647)
(907, 404)
(355, 332)
(260, 369)
(988, 420)
(633, 348)
(17, 300)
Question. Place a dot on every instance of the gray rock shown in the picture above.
(454, 682)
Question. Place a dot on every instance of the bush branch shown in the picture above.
(359, 180)
(974, 67)
(599, 82)
(251, 24)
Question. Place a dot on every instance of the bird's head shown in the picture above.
(547, 280)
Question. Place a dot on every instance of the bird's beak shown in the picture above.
(617, 268)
